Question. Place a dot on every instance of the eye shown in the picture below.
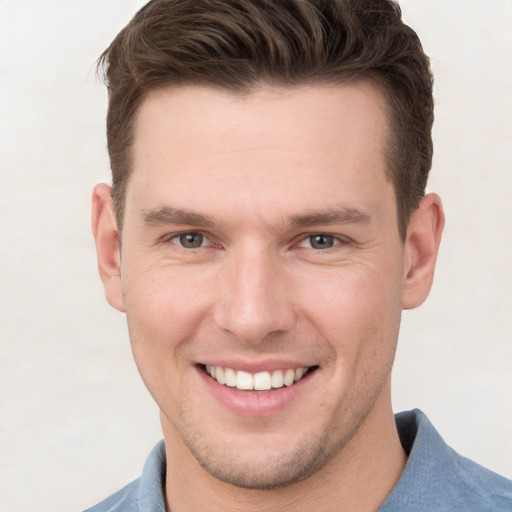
(190, 240)
(320, 241)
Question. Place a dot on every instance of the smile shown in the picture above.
(261, 381)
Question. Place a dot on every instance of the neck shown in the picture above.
(360, 477)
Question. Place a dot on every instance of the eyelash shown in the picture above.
(337, 240)
(174, 238)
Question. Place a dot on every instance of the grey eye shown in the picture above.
(321, 241)
(191, 240)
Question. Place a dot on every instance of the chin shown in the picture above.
(257, 466)
(266, 474)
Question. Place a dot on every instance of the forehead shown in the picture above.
(196, 113)
(288, 144)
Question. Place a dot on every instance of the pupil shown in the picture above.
(321, 241)
(191, 240)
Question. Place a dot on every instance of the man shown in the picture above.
(266, 226)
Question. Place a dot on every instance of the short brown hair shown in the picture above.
(238, 44)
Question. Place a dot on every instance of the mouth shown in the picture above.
(260, 382)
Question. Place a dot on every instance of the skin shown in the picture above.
(256, 176)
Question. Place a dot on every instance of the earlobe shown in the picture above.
(421, 249)
(104, 228)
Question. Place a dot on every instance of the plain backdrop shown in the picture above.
(76, 422)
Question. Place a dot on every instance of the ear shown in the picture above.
(104, 228)
(421, 248)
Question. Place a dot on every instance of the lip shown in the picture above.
(252, 403)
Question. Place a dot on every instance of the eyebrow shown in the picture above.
(332, 216)
(169, 215)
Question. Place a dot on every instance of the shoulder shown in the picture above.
(479, 485)
(124, 500)
(438, 478)
(146, 494)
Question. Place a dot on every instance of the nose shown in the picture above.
(254, 301)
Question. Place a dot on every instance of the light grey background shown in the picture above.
(75, 420)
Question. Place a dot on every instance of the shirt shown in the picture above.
(435, 478)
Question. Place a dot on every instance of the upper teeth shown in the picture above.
(260, 381)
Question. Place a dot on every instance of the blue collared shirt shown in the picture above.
(435, 478)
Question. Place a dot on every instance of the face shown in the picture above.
(262, 274)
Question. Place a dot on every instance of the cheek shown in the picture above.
(164, 309)
(355, 309)
(165, 297)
